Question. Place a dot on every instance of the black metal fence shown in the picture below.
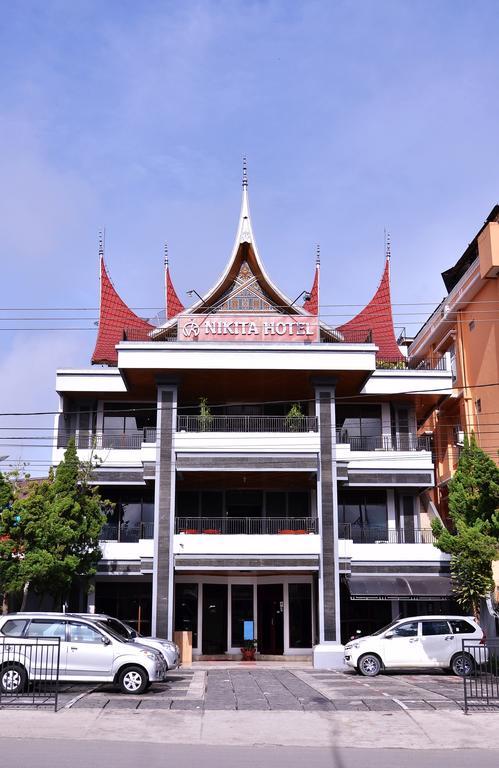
(29, 671)
(481, 674)
(127, 533)
(246, 525)
(371, 534)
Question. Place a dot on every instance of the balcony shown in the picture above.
(400, 442)
(384, 535)
(127, 533)
(251, 526)
(112, 440)
(247, 424)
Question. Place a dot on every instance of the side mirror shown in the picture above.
(105, 641)
(133, 634)
(389, 636)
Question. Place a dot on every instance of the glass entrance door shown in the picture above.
(270, 619)
(214, 619)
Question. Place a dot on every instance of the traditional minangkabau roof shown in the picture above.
(377, 318)
(244, 277)
(173, 304)
(311, 305)
(115, 320)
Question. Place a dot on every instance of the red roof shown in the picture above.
(173, 304)
(312, 304)
(114, 318)
(377, 317)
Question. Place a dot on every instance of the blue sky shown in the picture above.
(354, 116)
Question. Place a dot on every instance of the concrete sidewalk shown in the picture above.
(407, 729)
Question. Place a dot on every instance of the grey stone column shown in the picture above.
(327, 506)
(164, 512)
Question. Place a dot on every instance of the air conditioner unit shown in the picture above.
(458, 435)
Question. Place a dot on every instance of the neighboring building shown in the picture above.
(294, 495)
(465, 326)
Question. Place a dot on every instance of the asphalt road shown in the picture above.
(46, 753)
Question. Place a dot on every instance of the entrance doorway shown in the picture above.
(270, 619)
(214, 619)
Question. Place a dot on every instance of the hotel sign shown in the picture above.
(284, 328)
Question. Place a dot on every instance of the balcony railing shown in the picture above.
(119, 440)
(127, 533)
(252, 526)
(412, 363)
(384, 535)
(247, 423)
(408, 442)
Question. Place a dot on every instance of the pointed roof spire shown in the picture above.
(388, 252)
(377, 318)
(312, 303)
(115, 319)
(173, 304)
(245, 172)
(101, 243)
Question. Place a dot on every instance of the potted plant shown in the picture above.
(205, 415)
(248, 650)
(294, 418)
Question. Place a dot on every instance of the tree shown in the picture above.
(54, 528)
(474, 510)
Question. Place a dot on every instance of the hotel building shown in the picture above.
(265, 467)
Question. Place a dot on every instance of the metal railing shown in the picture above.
(127, 533)
(29, 671)
(412, 363)
(481, 678)
(383, 535)
(120, 440)
(401, 442)
(253, 526)
(247, 423)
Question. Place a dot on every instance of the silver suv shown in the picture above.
(167, 648)
(88, 653)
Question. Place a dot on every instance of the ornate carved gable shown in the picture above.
(245, 294)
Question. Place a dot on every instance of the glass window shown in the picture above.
(363, 508)
(298, 504)
(460, 626)
(435, 627)
(242, 610)
(358, 420)
(82, 633)
(187, 504)
(406, 630)
(186, 610)
(275, 504)
(300, 615)
(47, 628)
(211, 504)
(14, 627)
(244, 503)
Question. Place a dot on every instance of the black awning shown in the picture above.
(393, 587)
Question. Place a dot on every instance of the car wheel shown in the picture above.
(13, 679)
(462, 664)
(369, 665)
(133, 680)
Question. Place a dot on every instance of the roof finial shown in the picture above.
(318, 255)
(245, 172)
(101, 243)
(388, 252)
(166, 256)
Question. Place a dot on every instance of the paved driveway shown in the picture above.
(264, 688)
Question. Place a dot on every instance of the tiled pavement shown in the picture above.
(264, 688)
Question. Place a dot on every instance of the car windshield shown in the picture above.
(113, 631)
(384, 629)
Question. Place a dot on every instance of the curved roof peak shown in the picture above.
(245, 250)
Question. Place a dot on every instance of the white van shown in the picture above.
(88, 653)
(419, 641)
